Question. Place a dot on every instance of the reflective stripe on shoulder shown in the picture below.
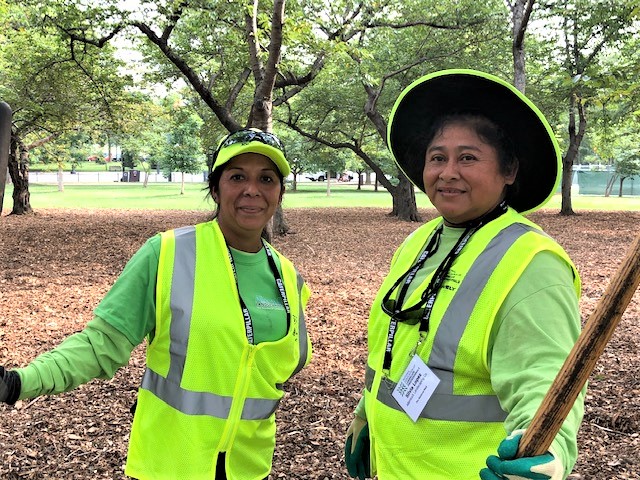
(184, 271)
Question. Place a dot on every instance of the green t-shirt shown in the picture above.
(259, 292)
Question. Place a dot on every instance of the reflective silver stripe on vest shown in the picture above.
(302, 334)
(184, 272)
(204, 403)
(168, 389)
(444, 404)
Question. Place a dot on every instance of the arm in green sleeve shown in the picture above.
(536, 329)
(360, 408)
(95, 352)
(130, 304)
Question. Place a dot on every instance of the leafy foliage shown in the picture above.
(339, 66)
(182, 150)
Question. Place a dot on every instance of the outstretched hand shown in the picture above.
(506, 466)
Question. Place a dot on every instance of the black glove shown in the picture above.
(9, 386)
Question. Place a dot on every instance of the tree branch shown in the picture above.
(196, 82)
(172, 19)
(518, 40)
(354, 145)
(251, 30)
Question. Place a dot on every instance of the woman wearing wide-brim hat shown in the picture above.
(480, 306)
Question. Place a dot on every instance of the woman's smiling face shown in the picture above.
(248, 195)
(462, 174)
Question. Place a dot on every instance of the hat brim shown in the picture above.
(275, 155)
(461, 90)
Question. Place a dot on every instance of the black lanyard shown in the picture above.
(248, 322)
(394, 309)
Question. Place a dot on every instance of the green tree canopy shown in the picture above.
(182, 151)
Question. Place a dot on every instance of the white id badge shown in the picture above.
(415, 387)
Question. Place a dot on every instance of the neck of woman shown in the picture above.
(495, 212)
(249, 245)
(245, 242)
(247, 248)
(456, 225)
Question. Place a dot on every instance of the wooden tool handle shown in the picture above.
(582, 359)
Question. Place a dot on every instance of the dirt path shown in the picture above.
(55, 266)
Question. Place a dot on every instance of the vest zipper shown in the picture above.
(239, 397)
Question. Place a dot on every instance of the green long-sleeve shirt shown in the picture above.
(535, 329)
(127, 314)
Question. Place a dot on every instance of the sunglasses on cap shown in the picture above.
(248, 136)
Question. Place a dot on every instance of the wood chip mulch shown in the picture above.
(56, 265)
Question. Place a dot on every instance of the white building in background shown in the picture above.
(111, 177)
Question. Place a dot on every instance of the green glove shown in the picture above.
(356, 452)
(9, 386)
(507, 466)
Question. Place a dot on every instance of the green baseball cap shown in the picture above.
(470, 91)
(252, 140)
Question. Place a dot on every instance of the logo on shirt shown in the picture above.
(268, 303)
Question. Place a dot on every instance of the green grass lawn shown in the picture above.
(156, 196)
(165, 196)
(80, 167)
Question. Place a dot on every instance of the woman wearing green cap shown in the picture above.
(224, 315)
(480, 306)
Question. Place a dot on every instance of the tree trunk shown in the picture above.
(621, 181)
(280, 226)
(609, 187)
(520, 15)
(19, 172)
(567, 180)
(519, 74)
(404, 201)
(276, 226)
(5, 144)
(59, 177)
(575, 139)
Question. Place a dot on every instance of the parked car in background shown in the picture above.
(322, 176)
(316, 177)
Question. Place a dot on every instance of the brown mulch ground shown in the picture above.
(56, 265)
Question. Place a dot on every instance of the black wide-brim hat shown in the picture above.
(460, 90)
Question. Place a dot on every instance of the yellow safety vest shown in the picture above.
(206, 390)
(462, 423)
